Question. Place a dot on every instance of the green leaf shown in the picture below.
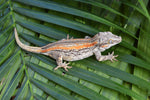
(116, 73)
(41, 22)
(78, 88)
(135, 61)
(23, 91)
(13, 84)
(56, 93)
(4, 69)
(4, 17)
(65, 9)
(144, 8)
(47, 31)
(56, 20)
(3, 5)
(91, 77)
(6, 51)
(101, 5)
(8, 73)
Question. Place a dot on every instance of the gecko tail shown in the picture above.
(26, 47)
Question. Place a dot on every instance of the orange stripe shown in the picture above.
(71, 47)
(103, 46)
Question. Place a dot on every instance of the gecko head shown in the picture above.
(107, 40)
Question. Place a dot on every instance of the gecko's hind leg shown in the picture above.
(61, 64)
(68, 37)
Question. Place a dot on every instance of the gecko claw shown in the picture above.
(112, 57)
(68, 37)
(63, 65)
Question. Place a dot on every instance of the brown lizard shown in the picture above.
(76, 49)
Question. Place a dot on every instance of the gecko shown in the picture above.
(76, 49)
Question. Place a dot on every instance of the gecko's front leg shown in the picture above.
(60, 63)
(100, 57)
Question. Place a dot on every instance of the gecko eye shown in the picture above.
(110, 41)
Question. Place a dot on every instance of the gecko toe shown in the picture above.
(63, 65)
(66, 68)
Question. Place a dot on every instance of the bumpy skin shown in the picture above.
(76, 49)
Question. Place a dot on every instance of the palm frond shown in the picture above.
(25, 75)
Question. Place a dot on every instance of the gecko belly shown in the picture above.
(77, 56)
(70, 55)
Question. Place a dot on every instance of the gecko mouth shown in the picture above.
(118, 39)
